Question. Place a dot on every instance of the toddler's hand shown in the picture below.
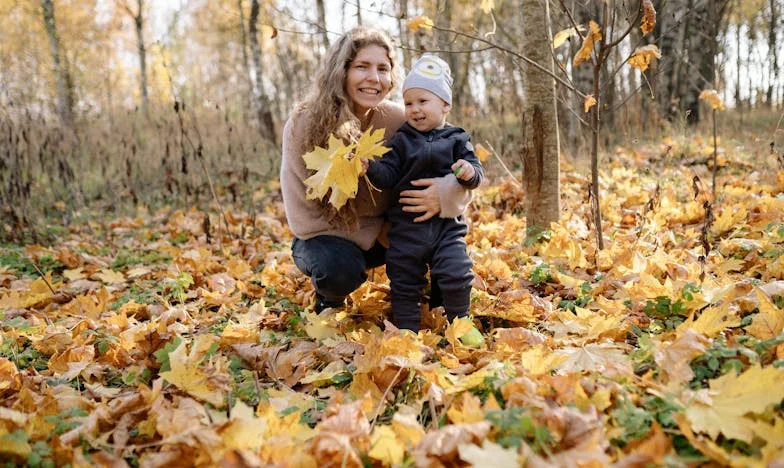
(463, 170)
(365, 165)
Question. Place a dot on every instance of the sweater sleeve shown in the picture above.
(302, 214)
(453, 197)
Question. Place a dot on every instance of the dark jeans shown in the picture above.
(336, 266)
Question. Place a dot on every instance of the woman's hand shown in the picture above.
(424, 200)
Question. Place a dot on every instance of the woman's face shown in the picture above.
(368, 79)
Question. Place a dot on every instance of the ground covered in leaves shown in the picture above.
(149, 342)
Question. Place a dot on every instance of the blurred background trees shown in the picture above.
(88, 87)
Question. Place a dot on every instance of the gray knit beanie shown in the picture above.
(432, 74)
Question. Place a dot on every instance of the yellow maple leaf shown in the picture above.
(487, 6)
(712, 321)
(188, 374)
(589, 102)
(589, 42)
(407, 427)
(9, 376)
(420, 22)
(769, 322)
(481, 152)
(674, 358)
(642, 56)
(564, 34)
(320, 160)
(712, 98)
(724, 407)
(338, 166)
(489, 454)
(467, 409)
(386, 447)
(110, 277)
(648, 20)
(245, 431)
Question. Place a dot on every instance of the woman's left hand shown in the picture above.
(425, 200)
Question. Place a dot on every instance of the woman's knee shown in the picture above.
(338, 280)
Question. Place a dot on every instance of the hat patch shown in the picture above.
(429, 68)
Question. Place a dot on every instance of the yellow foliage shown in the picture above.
(728, 407)
(420, 22)
(590, 101)
(712, 98)
(642, 56)
(648, 20)
(589, 43)
(564, 34)
(191, 376)
(338, 167)
(487, 6)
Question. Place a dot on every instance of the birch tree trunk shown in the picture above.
(62, 73)
(263, 112)
(540, 121)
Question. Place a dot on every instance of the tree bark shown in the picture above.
(402, 16)
(263, 112)
(138, 21)
(62, 73)
(322, 15)
(582, 77)
(540, 123)
(773, 52)
(663, 73)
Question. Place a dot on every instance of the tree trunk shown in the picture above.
(263, 112)
(702, 39)
(243, 104)
(738, 62)
(773, 52)
(663, 73)
(62, 73)
(582, 77)
(541, 150)
(402, 16)
(322, 16)
(138, 20)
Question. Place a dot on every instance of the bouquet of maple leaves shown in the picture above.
(338, 166)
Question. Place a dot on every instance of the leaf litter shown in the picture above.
(148, 344)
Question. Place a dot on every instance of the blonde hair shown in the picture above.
(327, 107)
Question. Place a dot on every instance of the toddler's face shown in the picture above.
(424, 110)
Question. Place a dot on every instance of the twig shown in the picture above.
(492, 150)
(43, 277)
(48, 285)
(384, 397)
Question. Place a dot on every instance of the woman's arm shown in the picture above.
(443, 196)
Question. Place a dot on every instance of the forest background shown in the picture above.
(150, 310)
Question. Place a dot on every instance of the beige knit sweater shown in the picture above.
(306, 218)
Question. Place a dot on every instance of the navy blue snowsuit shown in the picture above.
(438, 243)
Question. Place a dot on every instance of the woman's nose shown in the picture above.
(373, 75)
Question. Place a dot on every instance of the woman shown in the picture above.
(349, 95)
